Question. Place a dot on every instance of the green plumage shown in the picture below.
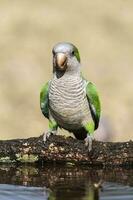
(94, 102)
(44, 100)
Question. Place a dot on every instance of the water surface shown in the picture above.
(55, 182)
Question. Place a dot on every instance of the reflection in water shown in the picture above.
(62, 183)
(75, 190)
(90, 193)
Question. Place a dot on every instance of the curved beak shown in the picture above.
(61, 59)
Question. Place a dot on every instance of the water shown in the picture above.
(15, 192)
(68, 182)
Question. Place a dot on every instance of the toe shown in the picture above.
(88, 142)
(46, 136)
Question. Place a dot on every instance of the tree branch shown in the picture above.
(70, 150)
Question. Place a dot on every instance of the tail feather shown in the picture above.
(80, 134)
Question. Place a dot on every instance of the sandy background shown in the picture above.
(103, 32)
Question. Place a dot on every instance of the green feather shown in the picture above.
(76, 53)
(94, 102)
(53, 125)
(90, 127)
(44, 100)
(44, 104)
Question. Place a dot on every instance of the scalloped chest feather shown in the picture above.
(68, 102)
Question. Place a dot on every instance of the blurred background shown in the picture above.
(103, 32)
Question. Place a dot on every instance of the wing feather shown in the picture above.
(44, 100)
(94, 102)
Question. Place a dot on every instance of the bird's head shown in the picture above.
(66, 58)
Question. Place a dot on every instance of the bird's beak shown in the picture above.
(61, 59)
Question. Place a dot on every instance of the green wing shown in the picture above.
(44, 100)
(94, 102)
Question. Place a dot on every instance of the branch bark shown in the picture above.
(66, 150)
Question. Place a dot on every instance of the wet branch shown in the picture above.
(66, 150)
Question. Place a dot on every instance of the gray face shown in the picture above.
(64, 47)
(65, 56)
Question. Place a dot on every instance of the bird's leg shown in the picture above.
(90, 126)
(48, 133)
(52, 129)
(88, 142)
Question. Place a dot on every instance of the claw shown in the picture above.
(88, 142)
(47, 134)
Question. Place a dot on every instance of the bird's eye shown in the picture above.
(73, 53)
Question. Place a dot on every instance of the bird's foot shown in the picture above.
(88, 142)
(47, 134)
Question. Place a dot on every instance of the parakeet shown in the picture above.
(68, 100)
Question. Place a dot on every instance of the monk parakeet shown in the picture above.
(68, 100)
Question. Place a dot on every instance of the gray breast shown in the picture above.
(68, 102)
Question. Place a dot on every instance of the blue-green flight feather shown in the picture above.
(44, 100)
(94, 102)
